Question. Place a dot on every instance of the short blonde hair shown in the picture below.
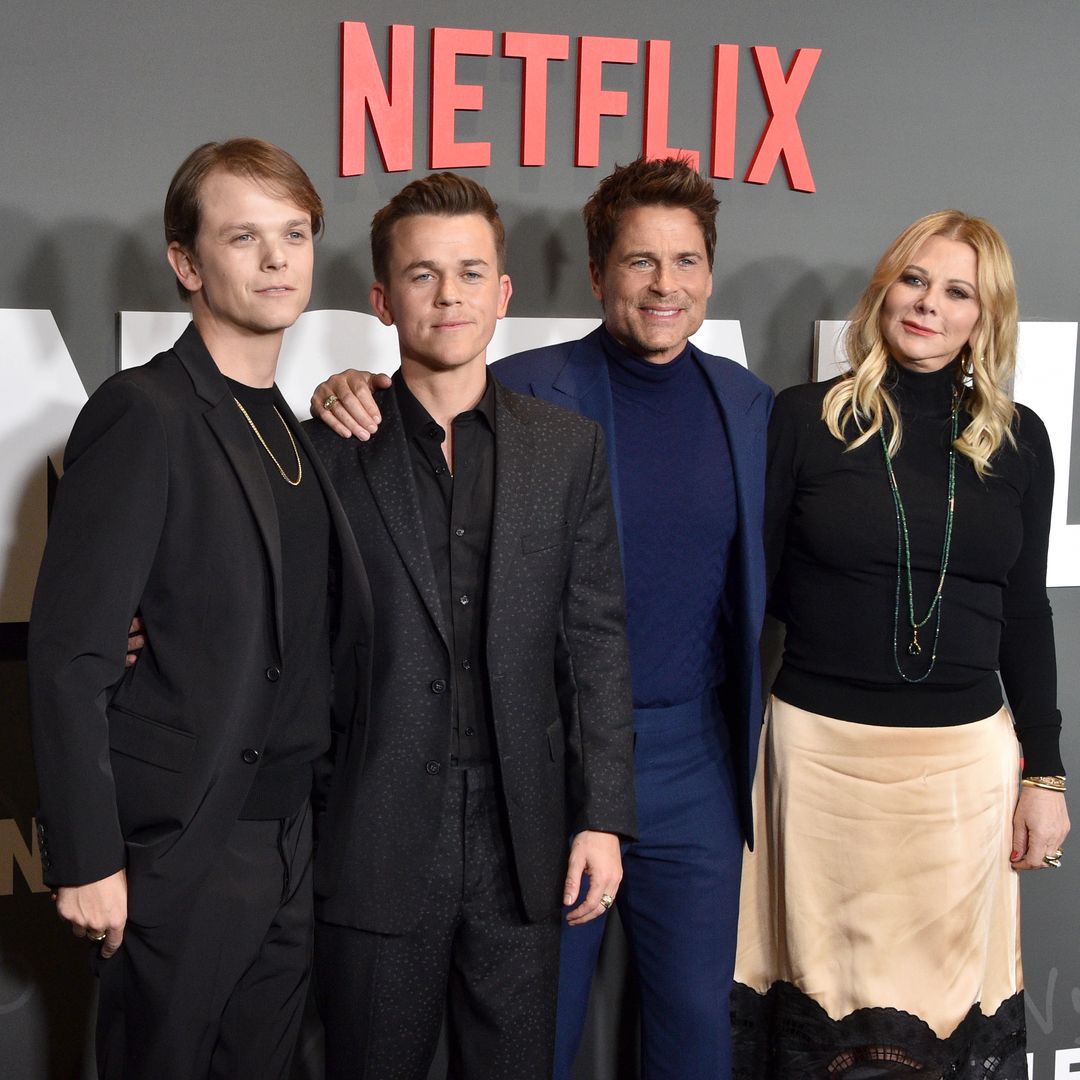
(987, 363)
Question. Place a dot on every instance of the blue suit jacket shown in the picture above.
(574, 375)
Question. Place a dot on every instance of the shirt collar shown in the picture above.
(419, 423)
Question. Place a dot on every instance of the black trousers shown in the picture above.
(472, 955)
(217, 991)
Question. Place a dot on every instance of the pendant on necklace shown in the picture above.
(914, 649)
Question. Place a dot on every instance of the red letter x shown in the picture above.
(783, 96)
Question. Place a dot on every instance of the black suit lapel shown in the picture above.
(354, 590)
(388, 468)
(236, 438)
(514, 457)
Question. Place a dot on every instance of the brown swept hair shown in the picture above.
(258, 160)
(855, 408)
(444, 194)
(647, 182)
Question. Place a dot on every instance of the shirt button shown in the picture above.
(470, 731)
(273, 673)
(459, 531)
(433, 768)
(466, 664)
(438, 686)
(250, 756)
(463, 599)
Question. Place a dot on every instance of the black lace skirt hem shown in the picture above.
(786, 1035)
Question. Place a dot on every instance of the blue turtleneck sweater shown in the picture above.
(677, 502)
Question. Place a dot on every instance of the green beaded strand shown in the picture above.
(903, 560)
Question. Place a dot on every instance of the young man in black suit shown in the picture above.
(175, 822)
(499, 717)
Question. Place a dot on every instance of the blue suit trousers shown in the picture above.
(678, 901)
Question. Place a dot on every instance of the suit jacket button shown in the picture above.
(433, 768)
(273, 673)
(250, 756)
(438, 686)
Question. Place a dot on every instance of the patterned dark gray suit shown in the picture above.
(561, 708)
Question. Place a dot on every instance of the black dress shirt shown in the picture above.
(456, 509)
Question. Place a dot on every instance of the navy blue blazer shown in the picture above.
(574, 374)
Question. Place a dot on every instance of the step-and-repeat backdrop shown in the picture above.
(826, 128)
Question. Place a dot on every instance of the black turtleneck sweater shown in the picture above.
(831, 544)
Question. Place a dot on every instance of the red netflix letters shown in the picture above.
(389, 103)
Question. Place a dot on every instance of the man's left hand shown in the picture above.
(596, 854)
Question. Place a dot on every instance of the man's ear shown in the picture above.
(506, 290)
(379, 299)
(184, 266)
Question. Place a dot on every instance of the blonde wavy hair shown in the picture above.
(860, 400)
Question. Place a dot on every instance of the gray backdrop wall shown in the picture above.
(912, 107)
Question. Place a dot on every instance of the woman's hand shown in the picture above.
(1040, 825)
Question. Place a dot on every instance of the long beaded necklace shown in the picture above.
(259, 436)
(903, 559)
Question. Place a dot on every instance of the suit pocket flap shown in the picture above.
(544, 538)
(150, 740)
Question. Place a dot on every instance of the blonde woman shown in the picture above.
(908, 510)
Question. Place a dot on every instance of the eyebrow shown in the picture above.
(926, 273)
(251, 226)
(645, 253)
(433, 264)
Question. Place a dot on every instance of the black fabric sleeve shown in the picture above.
(780, 480)
(103, 537)
(1027, 658)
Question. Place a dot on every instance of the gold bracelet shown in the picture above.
(1050, 783)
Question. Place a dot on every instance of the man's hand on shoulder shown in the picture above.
(95, 909)
(136, 640)
(346, 403)
(598, 855)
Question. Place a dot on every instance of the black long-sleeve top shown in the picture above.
(831, 545)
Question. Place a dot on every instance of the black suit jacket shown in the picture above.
(165, 509)
(556, 657)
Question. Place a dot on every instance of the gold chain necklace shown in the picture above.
(258, 435)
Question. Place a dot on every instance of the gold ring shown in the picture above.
(329, 401)
(96, 937)
(606, 901)
(1052, 860)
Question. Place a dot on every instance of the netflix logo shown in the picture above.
(388, 101)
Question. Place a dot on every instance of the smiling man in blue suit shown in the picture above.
(686, 440)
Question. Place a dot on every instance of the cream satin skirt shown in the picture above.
(880, 877)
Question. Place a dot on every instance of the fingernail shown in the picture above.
(1014, 856)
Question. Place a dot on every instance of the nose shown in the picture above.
(274, 257)
(663, 281)
(447, 293)
(928, 301)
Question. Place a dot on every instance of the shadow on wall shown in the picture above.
(46, 987)
(83, 270)
(548, 262)
(779, 340)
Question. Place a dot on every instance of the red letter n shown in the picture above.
(363, 92)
